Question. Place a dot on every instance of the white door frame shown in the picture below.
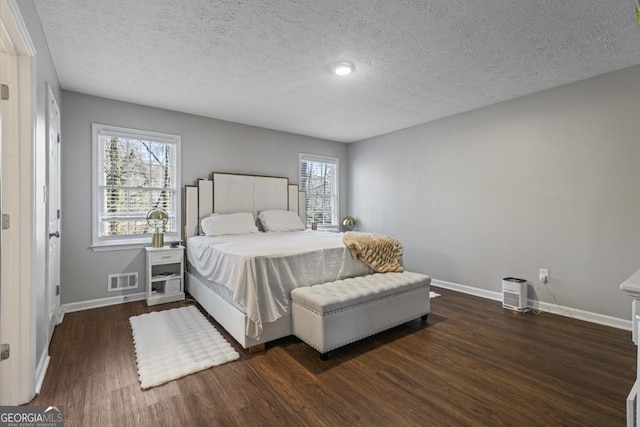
(17, 374)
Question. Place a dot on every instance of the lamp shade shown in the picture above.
(157, 218)
(348, 223)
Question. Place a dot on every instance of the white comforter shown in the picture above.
(262, 268)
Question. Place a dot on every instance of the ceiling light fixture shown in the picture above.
(343, 68)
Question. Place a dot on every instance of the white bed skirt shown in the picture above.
(233, 320)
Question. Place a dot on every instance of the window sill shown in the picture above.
(331, 228)
(119, 247)
(130, 244)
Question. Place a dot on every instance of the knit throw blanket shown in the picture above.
(381, 253)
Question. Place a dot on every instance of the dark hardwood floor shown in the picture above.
(472, 363)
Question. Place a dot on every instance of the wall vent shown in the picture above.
(122, 281)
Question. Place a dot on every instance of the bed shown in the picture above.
(244, 280)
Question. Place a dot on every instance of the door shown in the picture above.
(53, 210)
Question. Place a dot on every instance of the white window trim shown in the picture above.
(98, 244)
(324, 159)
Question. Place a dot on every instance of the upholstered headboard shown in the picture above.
(229, 193)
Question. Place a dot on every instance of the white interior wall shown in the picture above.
(45, 74)
(207, 145)
(548, 180)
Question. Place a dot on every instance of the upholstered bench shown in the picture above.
(333, 314)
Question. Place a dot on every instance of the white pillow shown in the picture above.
(280, 221)
(235, 223)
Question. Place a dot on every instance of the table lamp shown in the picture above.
(157, 218)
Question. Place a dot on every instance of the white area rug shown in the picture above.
(433, 295)
(173, 343)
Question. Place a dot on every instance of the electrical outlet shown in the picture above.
(543, 275)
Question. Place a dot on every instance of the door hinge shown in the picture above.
(4, 92)
(6, 221)
(57, 290)
(58, 213)
(58, 138)
(5, 351)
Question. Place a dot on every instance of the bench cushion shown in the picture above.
(328, 297)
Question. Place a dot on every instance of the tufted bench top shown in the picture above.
(332, 296)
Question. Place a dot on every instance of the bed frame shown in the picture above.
(229, 193)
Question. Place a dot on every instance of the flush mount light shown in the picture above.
(343, 68)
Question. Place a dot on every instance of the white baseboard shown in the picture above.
(574, 313)
(102, 302)
(41, 371)
(483, 293)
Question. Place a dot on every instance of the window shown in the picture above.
(319, 178)
(134, 171)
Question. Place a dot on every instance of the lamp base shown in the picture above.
(158, 240)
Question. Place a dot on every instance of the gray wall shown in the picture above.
(46, 74)
(549, 180)
(207, 145)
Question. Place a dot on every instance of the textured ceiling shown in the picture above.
(268, 63)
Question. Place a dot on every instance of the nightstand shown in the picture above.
(165, 274)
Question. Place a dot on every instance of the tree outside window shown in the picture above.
(136, 171)
(319, 179)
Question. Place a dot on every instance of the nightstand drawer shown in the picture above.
(164, 257)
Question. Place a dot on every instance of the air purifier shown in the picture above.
(514, 294)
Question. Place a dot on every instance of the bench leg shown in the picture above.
(424, 317)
